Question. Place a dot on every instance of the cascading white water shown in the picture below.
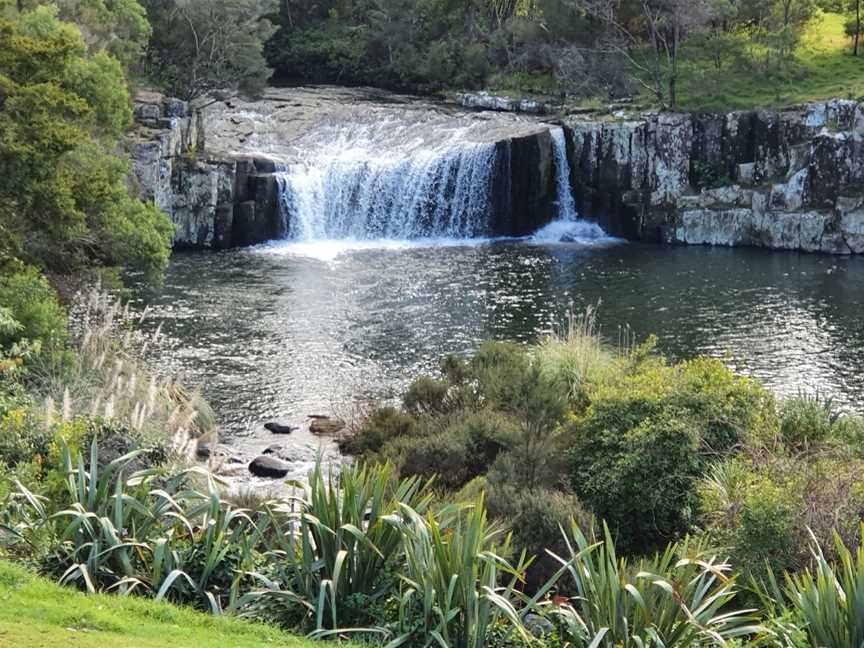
(567, 227)
(362, 188)
(397, 179)
(566, 205)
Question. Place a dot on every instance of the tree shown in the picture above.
(203, 45)
(649, 34)
(64, 204)
(118, 27)
(853, 26)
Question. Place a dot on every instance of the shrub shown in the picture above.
(383, 425)
(536, 519)
(764, 506)
(426, 395)
(727, 409)
(766, 533)
(443, 455)
(637, 472)
(805, 421)
(33, 304)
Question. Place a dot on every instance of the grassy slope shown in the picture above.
(36, 613)
(823, 68)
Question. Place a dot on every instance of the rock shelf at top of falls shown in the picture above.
(286, 124)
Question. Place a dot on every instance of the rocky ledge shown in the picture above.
(222, 189)
(782, 179)
(215, 200)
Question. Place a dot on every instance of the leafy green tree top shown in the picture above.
(64, 203)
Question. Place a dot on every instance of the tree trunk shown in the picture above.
(857, 27)
(673, 67)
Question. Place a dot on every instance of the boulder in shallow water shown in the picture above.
(268, 466)
(325, 425)
(279, 428)
(274, 449)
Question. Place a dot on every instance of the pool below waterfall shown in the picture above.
(290, 329)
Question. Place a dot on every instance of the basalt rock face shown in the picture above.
(523, 185)
(214, 201)
(791, 179)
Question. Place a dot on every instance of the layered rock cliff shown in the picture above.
(791, 179)
(214, 200)
(222, 189)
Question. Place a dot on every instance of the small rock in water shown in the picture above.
(214, 450)
(325, 425)
(279, 428)
(268, 466)
(274, 449)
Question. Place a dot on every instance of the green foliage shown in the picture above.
(805, 421)
(830, 597)
(679, 597)
(383, 425)
(340, 551)
(32, 304)
(637, 471)
(64, 204)
(426, 395)
(765, 504)
(199, 46)
(452, 590)
(118, 28)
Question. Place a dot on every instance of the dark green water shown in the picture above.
(287, 330)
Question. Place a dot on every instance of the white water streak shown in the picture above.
(360, 192)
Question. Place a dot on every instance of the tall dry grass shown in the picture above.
(110, 375)
(576, 355)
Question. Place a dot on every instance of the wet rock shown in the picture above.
(279, 428)
(205, 451)
(269, 466)
(325, 425)
(538, 626)
(274, 449)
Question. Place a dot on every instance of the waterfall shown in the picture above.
(398, 181)
(568, 227)
(566, 206)
(358, 193)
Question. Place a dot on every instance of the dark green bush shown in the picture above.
(637, 470)
(33, 303)
(536, 519)
(383, 425)
(443, 456)
(426, 395)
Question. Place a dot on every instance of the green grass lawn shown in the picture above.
(822, 68)
(36, 613)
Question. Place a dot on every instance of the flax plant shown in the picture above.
(680, 597)
(334, 541)
(830, 597)
(451, 594)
